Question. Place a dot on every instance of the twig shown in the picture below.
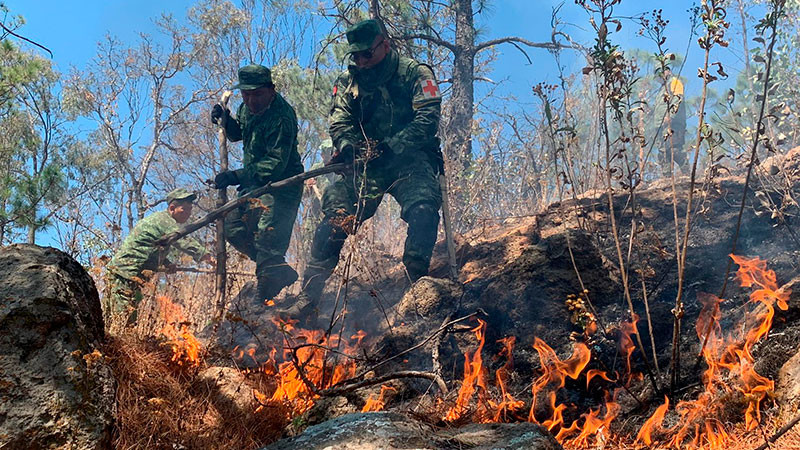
(784, 429)
(425, 341)
(11, 32)
(383, 378)
(195, 270)
(753, 154)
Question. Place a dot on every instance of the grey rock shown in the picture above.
(228, 389)
(56, 390)
(388, 431)
(787, 389)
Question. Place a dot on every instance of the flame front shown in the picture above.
(186, 349)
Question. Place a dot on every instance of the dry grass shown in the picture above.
(160, 406)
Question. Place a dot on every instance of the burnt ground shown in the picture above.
(517, 274)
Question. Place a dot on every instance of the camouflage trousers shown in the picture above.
(355, 197)
(262, 229)
(122, 300)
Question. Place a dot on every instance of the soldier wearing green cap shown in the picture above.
(385, 113)
(139, 256)
(267, 126)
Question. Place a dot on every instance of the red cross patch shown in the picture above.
(429, 89)
(335, 89)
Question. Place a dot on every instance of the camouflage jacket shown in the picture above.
(396, 102)
(270, 143)
(139, 252)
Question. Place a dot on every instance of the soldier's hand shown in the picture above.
(217, 112)
(345, 155)
(226, 178)
(382, 153)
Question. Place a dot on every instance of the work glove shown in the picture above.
(382, 154)
(217, 112)
(345, 155)
(225, 179)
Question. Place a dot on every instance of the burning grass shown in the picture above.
(732, 390)
(161, 407)
(160, 403)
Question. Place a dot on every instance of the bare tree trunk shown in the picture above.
(458, 145)
(221, 277)
(32, 233)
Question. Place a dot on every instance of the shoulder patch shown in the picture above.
(335, 89)
(430, 90)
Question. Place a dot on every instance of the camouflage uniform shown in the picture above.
(139, 254)
(262, 229)
(677, 124)
(396, 104)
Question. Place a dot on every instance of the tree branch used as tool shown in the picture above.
(220, 280)
(191, 227)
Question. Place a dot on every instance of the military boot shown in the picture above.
(272, 279)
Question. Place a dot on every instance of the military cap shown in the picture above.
(361, 35)
(181, 194)
(253, 76)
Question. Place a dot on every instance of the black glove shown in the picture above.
(217, 112)
(345, 155)
(382, 153)
(225, 179)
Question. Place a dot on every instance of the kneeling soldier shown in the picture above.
(139, 256)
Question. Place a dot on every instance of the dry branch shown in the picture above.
(228, 207)
(334, 391)
(784, 429)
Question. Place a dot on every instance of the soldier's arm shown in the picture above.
(232, 128)
(427, 106)
(191, 247)
(344, 129)
(274, 142)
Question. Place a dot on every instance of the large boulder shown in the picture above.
(387, 431)
(56, 390)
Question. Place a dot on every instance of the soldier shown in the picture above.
(139, 256)
(675, 145)
(267, 125)
(385, 113)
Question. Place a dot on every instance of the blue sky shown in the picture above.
(71, 29)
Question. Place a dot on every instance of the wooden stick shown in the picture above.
(221, 279)
(448, 228)
(191, 227)
(196, 270)
(784, 429)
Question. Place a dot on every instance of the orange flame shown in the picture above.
(652, 424)
(299, 388)
(474, 376)
(730, 361)
(555, 373)
(373, 404)
(507, 404)
(186, 349)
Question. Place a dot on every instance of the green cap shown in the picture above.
(181, 194)
(253, 76)
(361, 35)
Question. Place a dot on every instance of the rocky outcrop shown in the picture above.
(385, 430)
(787, 388)
(227, 389)
(55, 389)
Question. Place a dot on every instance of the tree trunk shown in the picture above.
(458, 129)
(32, 227)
